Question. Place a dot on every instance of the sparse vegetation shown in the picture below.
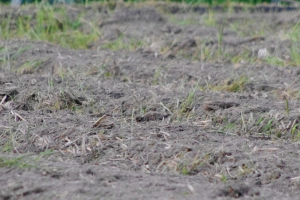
(91, 92)
(19, 162)
(52, 24)
(123, 43)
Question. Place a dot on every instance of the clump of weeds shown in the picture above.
(123, 42)
(232, 85)
(184, 110)
(51, 24)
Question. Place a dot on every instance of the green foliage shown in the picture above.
(220, 40)
(51, 24)
(294, 128)
(29, 67)
(224, 178)
(232, 85)
(209, 2)
(18, 162)
(268, 127)
(184, 170)
(227, 128)
(8, 146)
(295, 54)
(212, 2)
(294, 33)
(274, 61)
(124, 43)
(287, 107)
(186, 106)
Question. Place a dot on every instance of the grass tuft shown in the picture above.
(51, 24)
(18, 162)
(232, 85)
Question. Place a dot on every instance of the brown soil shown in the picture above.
(160, 121)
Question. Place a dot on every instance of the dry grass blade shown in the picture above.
(218, 176)
(296, 179)
(165, 134)
(19, 117)
(268, 149)
(191, 188)
(256, 149)
(7, 105)
(203, 123)
(97, 123)
(3, 99)
(1, 103)
(104, 121)
(71, 142)
(83, 148)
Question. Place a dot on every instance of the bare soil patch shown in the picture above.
(171, 102)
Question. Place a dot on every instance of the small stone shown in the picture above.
(263, 53)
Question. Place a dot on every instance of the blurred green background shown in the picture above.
(209, 2)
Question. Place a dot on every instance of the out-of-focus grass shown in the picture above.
(18, 162)
(210, 2)
(51, 24)
(130, 44)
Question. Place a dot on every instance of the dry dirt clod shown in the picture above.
(216, 105)
(152, 116)
(10, 91)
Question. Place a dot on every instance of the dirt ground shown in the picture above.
(172, 102)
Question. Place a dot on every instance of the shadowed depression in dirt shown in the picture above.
(158, 101)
